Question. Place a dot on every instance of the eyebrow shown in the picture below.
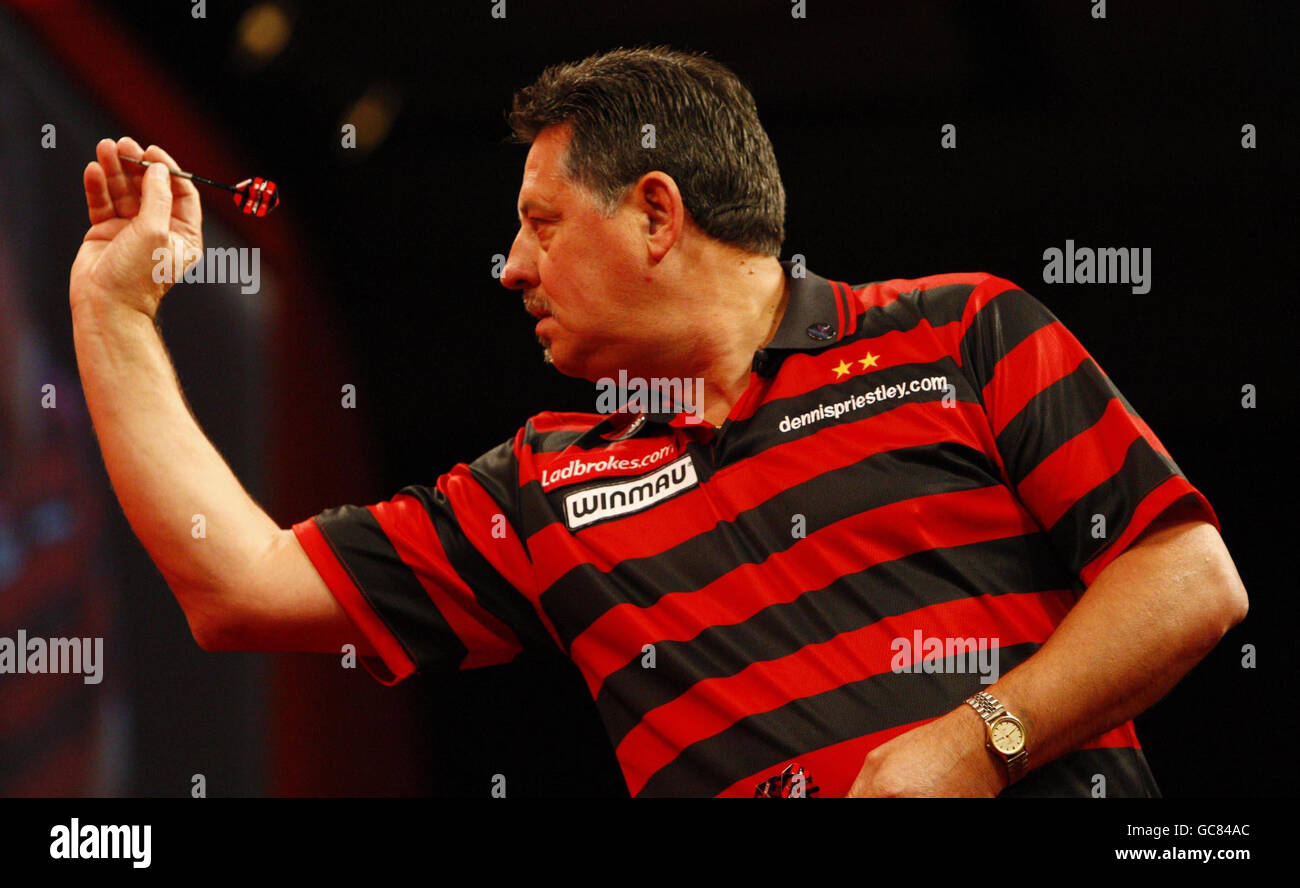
(525, 207)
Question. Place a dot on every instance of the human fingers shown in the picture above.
(129, 147)
(156, 200)
(126, 199)
(99, 203)
(186, 205)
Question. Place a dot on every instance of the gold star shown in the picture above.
(868, 361)
(841, 370)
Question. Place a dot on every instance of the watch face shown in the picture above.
(1007, 735)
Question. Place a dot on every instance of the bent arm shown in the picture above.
(1150, 616)
(246, 583)
(1145, 621)
(243, 583)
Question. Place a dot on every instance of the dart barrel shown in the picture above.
(256, 196)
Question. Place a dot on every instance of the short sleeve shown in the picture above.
(1073, 449)
(436, 577)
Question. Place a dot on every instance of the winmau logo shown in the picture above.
(625, 497)
(90, 842)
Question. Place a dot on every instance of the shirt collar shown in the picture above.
(818, 313)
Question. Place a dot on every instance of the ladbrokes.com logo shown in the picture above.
(619, 498)
(578, 468)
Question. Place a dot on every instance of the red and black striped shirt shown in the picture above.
(922, 459)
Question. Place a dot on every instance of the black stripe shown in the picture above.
(583, 594)
(901, 586)
(771, 739)
(390, 587)
(553, 441)
(940, 305)
(1004, 322)
(497, 472)
(1063, 409)
(1116, 499)
(491, 590)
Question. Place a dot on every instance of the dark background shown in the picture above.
(1121, 132)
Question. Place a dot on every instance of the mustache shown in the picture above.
(534, 303)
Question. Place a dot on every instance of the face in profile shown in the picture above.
(582, 274)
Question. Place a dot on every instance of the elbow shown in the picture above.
(1222, 593)
(212, 629)
(206, 634)
(1228, 607)
(208, 612)
(1233, 602)
(1237, 603)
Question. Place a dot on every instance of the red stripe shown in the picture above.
(988, 289)
(851, 302)
(1150, 508)
(850, 545)
(1089, 459)
(1043, 358)
(834, 768)
(844, 295)
(554, 421)
(415, 539)
(713, 705)
(350, 599)
(744, 485)
(840, 332)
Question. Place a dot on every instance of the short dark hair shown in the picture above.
(707, 137)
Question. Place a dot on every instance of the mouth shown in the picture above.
(536, 309)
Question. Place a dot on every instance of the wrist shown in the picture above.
(103, 309)
(978, 757)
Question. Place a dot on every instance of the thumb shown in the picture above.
(156, 197)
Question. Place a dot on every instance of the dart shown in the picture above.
(255, 196)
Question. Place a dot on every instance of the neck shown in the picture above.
(749, 297)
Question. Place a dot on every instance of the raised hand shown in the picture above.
(145, 225)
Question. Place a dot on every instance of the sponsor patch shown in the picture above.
(560, 472)
(583, 507)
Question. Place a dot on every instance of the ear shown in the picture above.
(662, 214)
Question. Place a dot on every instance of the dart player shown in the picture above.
(911, 541)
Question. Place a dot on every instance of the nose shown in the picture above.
(520, 272)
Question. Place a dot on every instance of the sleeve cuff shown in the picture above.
(1170, 491)
(393, 663)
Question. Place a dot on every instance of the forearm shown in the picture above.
(1146, 620)
(163, 469)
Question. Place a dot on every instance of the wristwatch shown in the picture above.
(1007, 737)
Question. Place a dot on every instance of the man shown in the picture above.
(858, 568)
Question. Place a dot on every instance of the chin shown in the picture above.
(564, 360)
